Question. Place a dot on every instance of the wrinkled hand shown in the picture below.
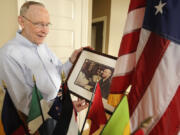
(76, 53)
(80, 105)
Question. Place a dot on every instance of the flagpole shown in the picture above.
(38, 99)
(89, 107)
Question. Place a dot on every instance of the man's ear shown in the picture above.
(21, 21)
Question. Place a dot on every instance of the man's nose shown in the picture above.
(45, 29)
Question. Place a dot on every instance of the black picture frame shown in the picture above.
(90, 66)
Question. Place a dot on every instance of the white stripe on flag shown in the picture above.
(134, 20)
(128, 61)
(144, 36)
(158, 95)
(73, 126)
(37, 122)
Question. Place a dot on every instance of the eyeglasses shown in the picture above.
(38, 24)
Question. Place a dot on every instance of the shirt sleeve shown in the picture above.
(66, 67)
(19, 88)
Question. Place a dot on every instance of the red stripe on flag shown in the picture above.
(170, 121)
(146, 66)
(120, 83)
(129, 42)
(136, 4)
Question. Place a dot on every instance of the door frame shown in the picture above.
(104, 20)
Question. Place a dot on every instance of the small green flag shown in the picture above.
(118, 124)
(38, 112)
(35, 110)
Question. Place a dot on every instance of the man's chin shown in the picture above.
(39, 42)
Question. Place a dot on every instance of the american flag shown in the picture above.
(149, 60)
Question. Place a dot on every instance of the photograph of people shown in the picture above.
(92, 72)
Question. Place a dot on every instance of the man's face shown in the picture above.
(106, 73)
(35, 24)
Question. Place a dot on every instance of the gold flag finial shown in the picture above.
(63, 77)
(34, 79)
(147, 122)
(4, 84)
(98, 78)
(127, 90)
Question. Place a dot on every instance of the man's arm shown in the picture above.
(11, 72)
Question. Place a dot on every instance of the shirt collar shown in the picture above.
(24, 40)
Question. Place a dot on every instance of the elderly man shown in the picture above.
(26, 55)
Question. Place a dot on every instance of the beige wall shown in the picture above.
(102, 8)
(119, 9)
(8, 23)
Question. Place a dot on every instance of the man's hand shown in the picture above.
(80, 105)
(76, 53)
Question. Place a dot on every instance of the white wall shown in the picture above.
(119, 9)
(8, 23)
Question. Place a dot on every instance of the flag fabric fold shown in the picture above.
(97, 113)
(67, 123)
(11, 122)
(149, 61)
(119, 123)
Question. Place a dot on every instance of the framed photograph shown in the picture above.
(90, 67)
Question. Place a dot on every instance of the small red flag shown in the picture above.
(97, 113)
(139, 132)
